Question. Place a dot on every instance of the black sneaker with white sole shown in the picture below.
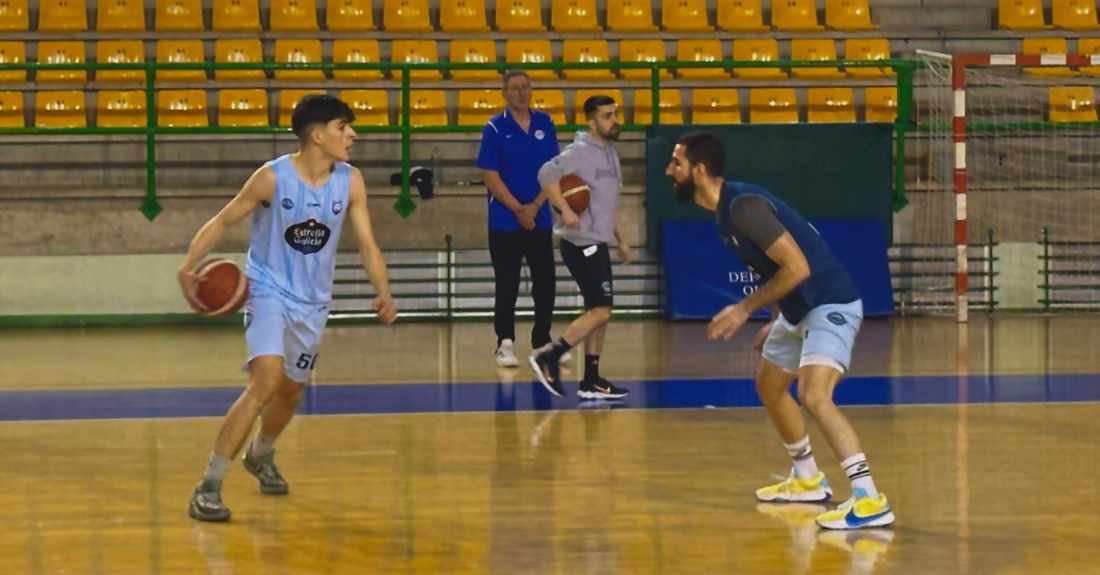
(548, 372)
(600, 389)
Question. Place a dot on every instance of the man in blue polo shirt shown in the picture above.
(514, 146)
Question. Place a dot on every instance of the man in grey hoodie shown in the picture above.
(584, 241)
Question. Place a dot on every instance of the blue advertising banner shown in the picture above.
(703, 276)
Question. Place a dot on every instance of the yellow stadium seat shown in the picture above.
(242, 108)
(519, 16)
(773, 106)
(1021, 15)
(11, 110)
(476, 107)
(474, 52)
(427, 108)
(406, 16)
(880, 105)
(62, 16)
(180, 52)
(1089, 47)
(741, 16)
(642, 51)
(349, 16)
(867, 49)
(715, 106)
(672, 111)
(288, 99)
(815, 50)
(630, 16)
(574, 16)
(757, 50)
(293, 16)
(1072, 104)
(298, 52)
(1078, 15)
(1044, 46)
(700, 51)
(685, 16)
(371, 107)
(580, 96)
(586, 51)
(462, 16)
(551, 102)
(61, 52)
(239, 52)
(416, 51)
(121, 109)
(60, 110)
(795, 16)
(120, 16)
(120, 52)
(182, 109)
(530, 52)
(830, 105)
(14, 18)
(356, 52)
(179, 16)
(12, 53)
(848, 15)
(236, 16)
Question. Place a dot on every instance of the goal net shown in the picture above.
(1003, 213)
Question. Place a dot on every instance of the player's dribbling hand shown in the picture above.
(386, 308)
(570, 219)
(762, 336)
(625, 253)
(189, 283)
(727, 322)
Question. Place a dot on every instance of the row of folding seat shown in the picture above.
(1044, 46)
(454, 16)
(249, 107)
(1027, 15)
(462, 51)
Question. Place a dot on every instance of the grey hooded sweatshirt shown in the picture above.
(599, 166)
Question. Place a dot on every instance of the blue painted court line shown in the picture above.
(527, 396)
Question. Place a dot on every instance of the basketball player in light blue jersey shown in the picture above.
(298, 203)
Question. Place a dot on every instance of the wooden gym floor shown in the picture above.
(415, 454)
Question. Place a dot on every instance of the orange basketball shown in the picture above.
(576, 193)
(223, 287)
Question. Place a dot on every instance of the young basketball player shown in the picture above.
(584, 248)
(811, 338)
(298, 203)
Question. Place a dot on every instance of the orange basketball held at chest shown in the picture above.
(576, 193)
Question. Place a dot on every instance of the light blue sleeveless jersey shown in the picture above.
(294, 240)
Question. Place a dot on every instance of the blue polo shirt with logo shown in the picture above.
(517, 156)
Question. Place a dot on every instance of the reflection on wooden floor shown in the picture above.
(979, 489)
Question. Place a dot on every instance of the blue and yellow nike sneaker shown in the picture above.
(796, 489)
(858, 512)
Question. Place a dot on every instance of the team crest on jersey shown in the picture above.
(836, 319)
(308, 237)
(288, 204)
(337, 207)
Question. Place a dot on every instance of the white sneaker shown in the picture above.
(565, 357)
(506, 354)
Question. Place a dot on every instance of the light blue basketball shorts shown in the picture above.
(824, 337)
(277, 325)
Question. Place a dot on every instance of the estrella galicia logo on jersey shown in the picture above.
(337, 207)
(836, 319)
(288, 204)
(308, 237)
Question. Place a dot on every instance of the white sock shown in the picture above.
(859, 473)
(804, 465)
(216, 467)
(262, 445)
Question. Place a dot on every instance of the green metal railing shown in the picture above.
(404, 205)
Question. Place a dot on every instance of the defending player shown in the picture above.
(298, 203)
(811, 338)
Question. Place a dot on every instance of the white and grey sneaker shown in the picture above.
(506, 354)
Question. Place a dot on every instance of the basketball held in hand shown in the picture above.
(223, 287)
(576, 193)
